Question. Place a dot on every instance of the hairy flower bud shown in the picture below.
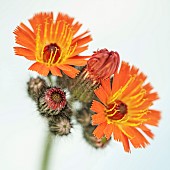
(100, 66)
(83, 116)
(52, 101)
(60, 125)
(92, 140)
(35, 87)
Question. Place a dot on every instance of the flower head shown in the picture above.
(55, 98)
(102, 64)
(52, 44)
(52, 101)
(125, 108)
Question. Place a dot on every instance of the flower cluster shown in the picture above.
(115, 102)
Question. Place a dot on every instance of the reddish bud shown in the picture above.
(102, 64)
(55, 98)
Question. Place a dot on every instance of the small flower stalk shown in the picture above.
(102, 64)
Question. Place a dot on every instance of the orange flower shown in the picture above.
(52, 44)
(124, 111)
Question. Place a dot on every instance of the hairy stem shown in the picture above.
(47, 151)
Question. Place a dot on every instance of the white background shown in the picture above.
(138, 29)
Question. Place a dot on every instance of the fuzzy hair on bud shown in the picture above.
(51, 102)
(35, 87)
(92, 140)
(83, 116)
(60, 125)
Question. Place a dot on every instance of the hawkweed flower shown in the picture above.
(35, 87)
(52, 44)
(60, 125)
(124, 110)
(103, 64)
(52, 101)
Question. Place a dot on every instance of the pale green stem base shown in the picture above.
(47, 151)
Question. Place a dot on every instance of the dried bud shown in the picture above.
(60, 125)
(102, 64)
(83, 116)
(92, 140)
(52, 102)
(36, 86)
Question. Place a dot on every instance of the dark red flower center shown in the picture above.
(55, 98)
(51, 53)
(117, 110)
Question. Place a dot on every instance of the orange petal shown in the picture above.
(148, 87)
(124, 73)
(138, 139)
(116, 133)
(79, 50)
(99, 131)
(97, 107)
(108, 131)
(98, 119)
(106, 85)
(55, 71)
(77, 60)
(76, 27)
(24, 38)
(24, 52)
(125, 142)
(79, 37)
(152, 96)
(101, 94)
(40, 68)
(146, 130)
(69, 70)
(65, 17)
(83, 41)
(153, 117)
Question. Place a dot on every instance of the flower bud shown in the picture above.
(83, 116)
(103, 64)
(92, 140)
(35, 87)
(51, 102)
(60, 125)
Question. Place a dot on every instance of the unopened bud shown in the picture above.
(92, 140)
(60, 125)
(35, 87)
(83, 116)
(102, 64)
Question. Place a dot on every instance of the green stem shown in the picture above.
(50, 79)
(47, 151)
